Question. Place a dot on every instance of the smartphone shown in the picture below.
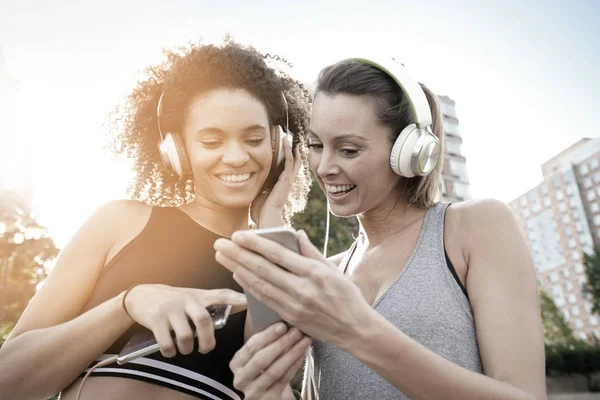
(143, 343)
(261, 316)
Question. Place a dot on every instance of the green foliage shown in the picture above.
(592, 271)
(556, 329)
(26, 254)
(314, 219)
(580, 358)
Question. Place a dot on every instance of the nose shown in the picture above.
(324, 163)
(235, 154)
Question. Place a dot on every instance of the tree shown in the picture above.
(26, 255)
(592, 271)
(314, 220)
(556, 329)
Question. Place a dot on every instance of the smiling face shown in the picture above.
(349, 154)
(227, 137)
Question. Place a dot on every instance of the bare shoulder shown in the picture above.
(124, 220)
(486, 224)
(479, 214)
(337, 259)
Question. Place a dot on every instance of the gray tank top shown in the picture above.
(426, 303)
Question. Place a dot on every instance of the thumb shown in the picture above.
(307, 248)
(226, 296)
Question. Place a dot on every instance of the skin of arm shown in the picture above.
(51, 344)
(503, 293)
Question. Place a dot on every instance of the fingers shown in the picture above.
(307, 248)
(269, 249)
(162, 334)
(223, 296)
(240, 261)
(183, 332)
(255, 343)
(268, 361)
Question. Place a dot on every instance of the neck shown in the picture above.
(220, 220)
(390, 219)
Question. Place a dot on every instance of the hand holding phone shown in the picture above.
(261, 316)
(143, 343)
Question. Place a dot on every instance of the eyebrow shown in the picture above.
(248, 129)
(341, 138)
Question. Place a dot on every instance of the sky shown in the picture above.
(523, 75)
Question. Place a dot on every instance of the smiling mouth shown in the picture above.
(339, 190)
(235, 178)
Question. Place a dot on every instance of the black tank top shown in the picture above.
(174, 250)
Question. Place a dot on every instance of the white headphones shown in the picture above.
(417, 150)
(174, 156)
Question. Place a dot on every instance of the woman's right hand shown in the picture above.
(265, 365)
(163, 309)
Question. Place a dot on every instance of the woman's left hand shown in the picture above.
(310, 293)
(267, 209)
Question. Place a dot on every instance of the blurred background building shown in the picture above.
(455, 180)
(560, 218)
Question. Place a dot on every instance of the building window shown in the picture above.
(575, 311)
(562, 207)
(559, 195)
(569, 232)
(594, 163)
(547, 202)
(578, 227)
(578, 324)
(587, 183)
(583, 169)
(596, 176)
(569, 285)
(569, 190)
(554, 278)
(559, 302)
(593, 320)
(556, 182)
(566, 219)
(582, 336)
(575, 255)
(578, 268)
(544, 188)
(582, 280)
(523, 201)
(572, 298)
(462, 190)
(588, 307)
(591, 195)
(526, 213)
(597, 219)
(572, 243)
(565, 272)
(452, 148)
(594, 207)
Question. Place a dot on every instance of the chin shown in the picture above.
(343, 212)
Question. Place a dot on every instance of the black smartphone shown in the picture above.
(261, 316)
(143, 343)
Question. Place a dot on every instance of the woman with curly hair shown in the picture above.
(148, 264)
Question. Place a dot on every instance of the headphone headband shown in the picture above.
(410, 87)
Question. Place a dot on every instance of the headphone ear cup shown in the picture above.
(174, 156)
(402, 150)
(184, 159)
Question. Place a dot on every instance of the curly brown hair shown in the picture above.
(186, 72)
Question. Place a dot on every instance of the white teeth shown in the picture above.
(234, 178)
(340, 188)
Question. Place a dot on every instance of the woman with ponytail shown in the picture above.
(432, 301)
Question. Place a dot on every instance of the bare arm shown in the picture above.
(51, 344)
(504, 297)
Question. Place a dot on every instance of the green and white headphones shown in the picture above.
(417, 150)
